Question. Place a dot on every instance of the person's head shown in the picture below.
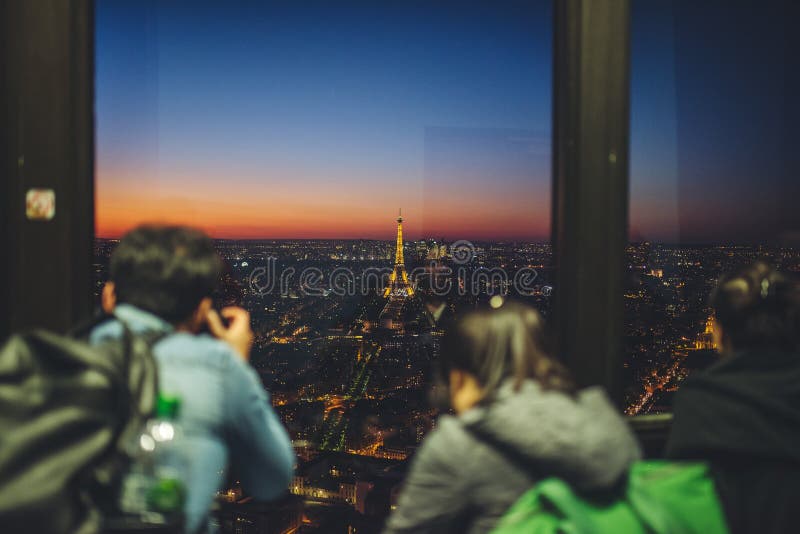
(169, 271)
(757, 307)
(487, 348)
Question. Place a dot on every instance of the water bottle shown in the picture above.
(154, 489)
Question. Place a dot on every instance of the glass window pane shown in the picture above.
(293, 133)
(713, 175)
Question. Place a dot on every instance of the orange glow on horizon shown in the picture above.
(338, 211)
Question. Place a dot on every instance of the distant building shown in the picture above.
(340, 478)
(398, 285)
(706, 339)
(398, 290)
(246, 516)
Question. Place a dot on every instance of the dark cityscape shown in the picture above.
(348, 353)
(479, 267)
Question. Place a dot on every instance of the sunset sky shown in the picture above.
(321, 119)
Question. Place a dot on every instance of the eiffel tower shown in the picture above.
(398, 285)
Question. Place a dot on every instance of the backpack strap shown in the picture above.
(561, 497)
(139, 390)
(514, 456)
(651, 512)
(140, 366)
(84, 328)
(553, 492)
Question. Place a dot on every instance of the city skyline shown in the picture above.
(293, 132)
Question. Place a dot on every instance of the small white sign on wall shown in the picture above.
(40, 204)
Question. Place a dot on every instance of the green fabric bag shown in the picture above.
(661, 497)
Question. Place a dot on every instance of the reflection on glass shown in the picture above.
(713, 176)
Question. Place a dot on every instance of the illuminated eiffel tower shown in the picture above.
(398, 285)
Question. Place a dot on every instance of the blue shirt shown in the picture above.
(225, 413)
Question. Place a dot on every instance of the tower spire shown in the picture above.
(398, 281)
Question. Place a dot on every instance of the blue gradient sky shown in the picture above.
(320, 119)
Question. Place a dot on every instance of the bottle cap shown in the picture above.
(167, 406)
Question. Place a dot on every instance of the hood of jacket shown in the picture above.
(746, 405)
(581, 438)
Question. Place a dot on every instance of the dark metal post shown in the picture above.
(590, 185)
(47, 74)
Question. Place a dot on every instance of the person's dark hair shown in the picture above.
(166, 270)
(758, 307)
(495, 345)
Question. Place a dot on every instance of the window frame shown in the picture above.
(47, 142)
(590, 186)
(51, 262)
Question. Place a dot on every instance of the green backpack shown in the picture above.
(661, 497)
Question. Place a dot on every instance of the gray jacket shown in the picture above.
(459, 482)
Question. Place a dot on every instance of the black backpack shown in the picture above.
(66, 409)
